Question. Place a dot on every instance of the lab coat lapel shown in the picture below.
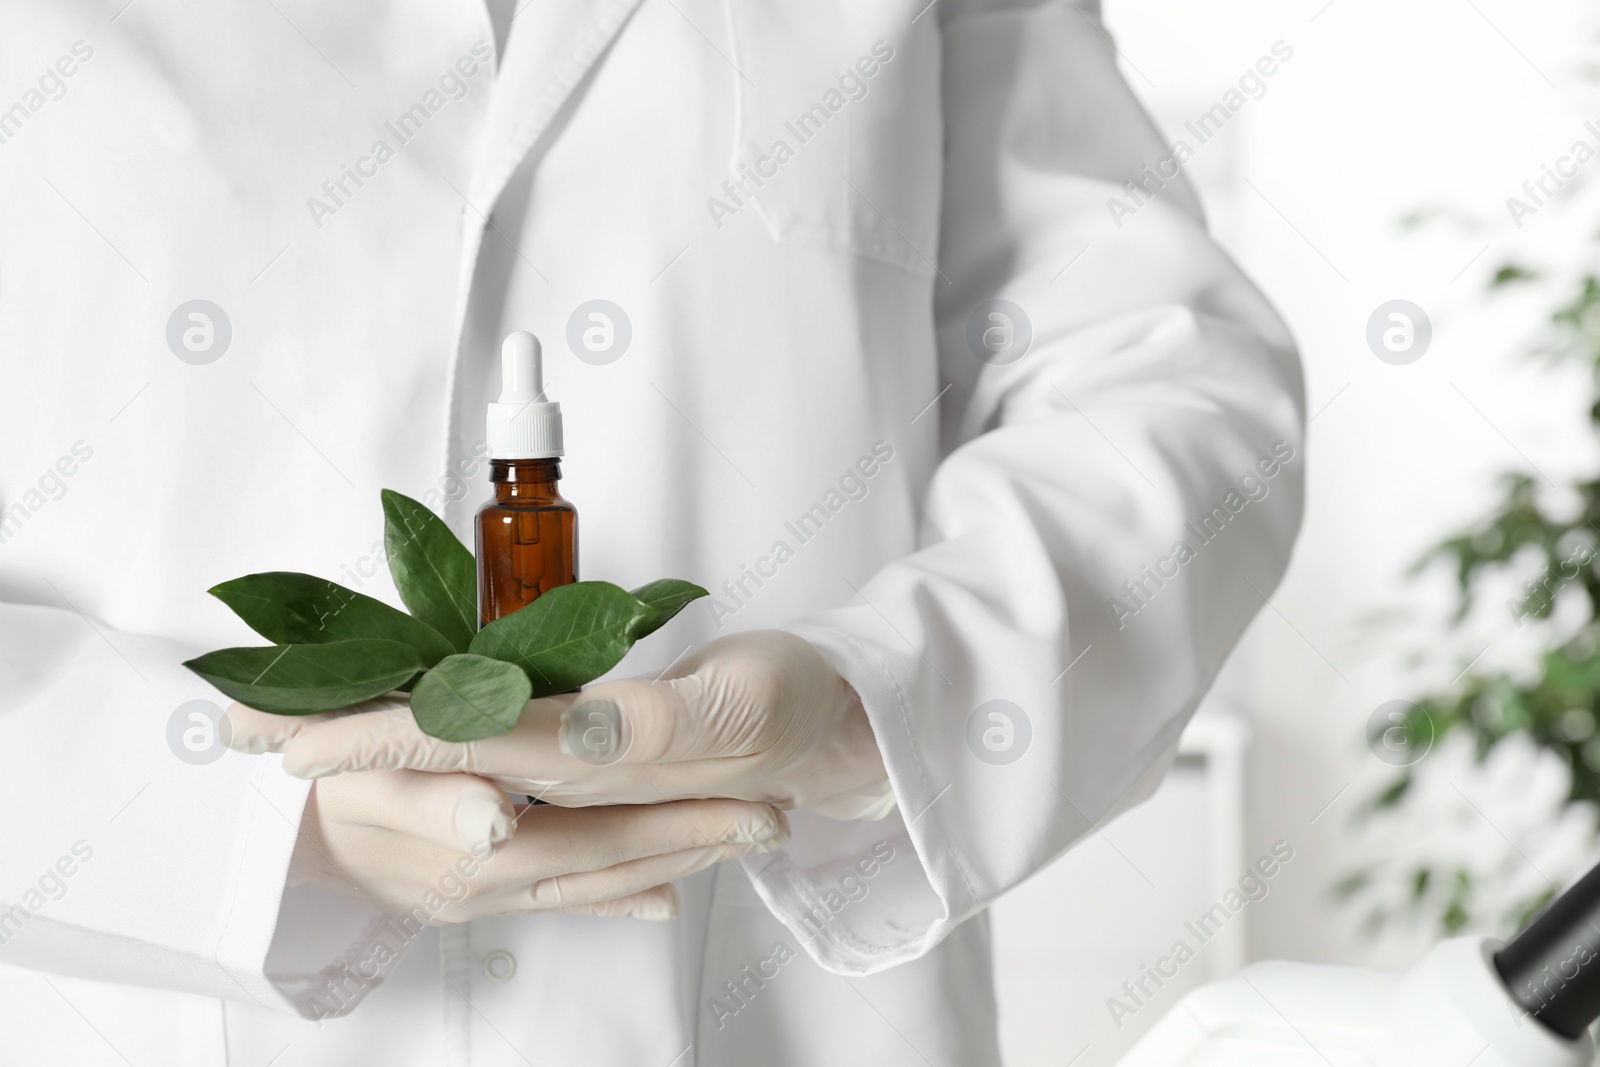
(552, 45)
(551, 48)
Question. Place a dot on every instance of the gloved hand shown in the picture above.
(757, 716)
(393, 838)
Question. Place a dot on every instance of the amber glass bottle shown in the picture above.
(527, 537)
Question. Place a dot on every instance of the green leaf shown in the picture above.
(299, 609)
(1351, 884)
(571, 635)
(667, 596)
(469, 697)
(304, 679)
(1511, 273)
(433, 571)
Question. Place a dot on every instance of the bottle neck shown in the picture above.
(525, 479)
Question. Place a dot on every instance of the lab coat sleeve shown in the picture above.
(1111, 510)
(126, 862)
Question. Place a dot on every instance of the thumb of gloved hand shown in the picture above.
(759, 715)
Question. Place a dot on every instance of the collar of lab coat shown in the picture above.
(551, 48)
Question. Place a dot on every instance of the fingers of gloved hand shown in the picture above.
(590, 888)
(460, 812)
(390, 739)
(552, 841)
(405, 874)
(529, 759)
(253, 732)
(656, 904)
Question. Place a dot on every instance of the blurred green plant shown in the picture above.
(1556, 702)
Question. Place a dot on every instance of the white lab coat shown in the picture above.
(785, 341)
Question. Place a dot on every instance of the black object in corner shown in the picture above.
(1553, 967)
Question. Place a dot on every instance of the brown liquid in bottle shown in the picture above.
(527, 537)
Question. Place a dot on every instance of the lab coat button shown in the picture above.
(499, 965)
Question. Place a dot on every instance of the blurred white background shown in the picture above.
(1444, 107)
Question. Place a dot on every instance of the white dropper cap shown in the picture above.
(523, 424)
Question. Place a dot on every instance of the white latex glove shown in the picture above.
(391, 838)
(757, 716)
